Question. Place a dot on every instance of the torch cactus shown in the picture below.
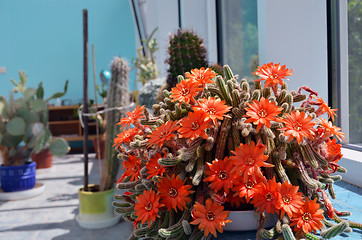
(214, 144)
(24, 124)
(117, 95)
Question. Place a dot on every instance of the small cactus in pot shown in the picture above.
(24, 124)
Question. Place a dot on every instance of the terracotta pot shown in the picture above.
(43, 159)
(102, 148)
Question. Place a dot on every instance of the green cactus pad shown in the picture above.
(38, 105)
(58, 147)
(16, 126)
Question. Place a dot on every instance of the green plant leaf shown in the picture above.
(16, 126)
(40, 91)
(37, 129)
(58, 147)
(59, 94)
(38, 105)
(11, 141)
(29, 94)
(42, 140)
(23, 112)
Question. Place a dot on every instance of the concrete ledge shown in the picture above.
(352, 160)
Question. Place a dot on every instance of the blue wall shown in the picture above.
(44, 38)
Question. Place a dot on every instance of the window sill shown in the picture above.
(352, 161)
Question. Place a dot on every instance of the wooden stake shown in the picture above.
(85, 96)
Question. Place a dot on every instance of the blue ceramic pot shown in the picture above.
(18, 178)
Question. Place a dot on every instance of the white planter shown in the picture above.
(247, 221)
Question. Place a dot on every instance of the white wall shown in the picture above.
(294, 33)
(197, 15)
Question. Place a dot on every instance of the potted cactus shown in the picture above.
(215, 142)
(24, 130)
(101, 195)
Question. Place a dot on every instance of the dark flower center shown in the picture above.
(223, 175)
(185, 91)
(273, 76)
(210, 215)
(249, 160)
(194, 126)
(297, 126)
(269, 196)
(148, 206)
(135, 168)
(211, 111)
(262, 113)
(306, 217)
(172, 192)
(249, 184)
(287, 198)
(163, 134)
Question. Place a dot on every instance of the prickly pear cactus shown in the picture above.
(186, 51)
(117, 96)
(25, 120)
(215, 144)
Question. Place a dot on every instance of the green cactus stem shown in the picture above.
(335, 230)
(287, 232)
(117, 96)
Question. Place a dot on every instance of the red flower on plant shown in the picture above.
(273, 74)
(266, 196)
(126, 136)
(262, 112)
(201, 76)
(324, 108)
(247, 188)
(132, 117)
(194, 125)
(210, 217)
(334, 150)
(249, 158)
(330, 130)
(309, 217)
(162, 133)
(214, 108)
(220, 174)
(290, 199)
(234, 200)
(154, 168)
(185, 91)
(133, 167)
(298, 125)
(174, 193)
(147, 206)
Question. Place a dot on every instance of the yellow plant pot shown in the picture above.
(95, 205)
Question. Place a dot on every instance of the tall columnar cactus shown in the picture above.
(24, 124)
(215, 142)
(117, 96)
(186, 51)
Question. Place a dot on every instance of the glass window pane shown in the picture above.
(355, 70)
(240, 35)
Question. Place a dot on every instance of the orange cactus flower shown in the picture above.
(262, 112)
(126, 136)
(324, 108)
(249, 158)
(273, 74)
(210, 217)
(298, 125)
(154, 168)
(330, 130)
(174, 193)
(147, 206)
(247, 188)
(133, 167)
(132, 117)
(162, 133)
(334, 150)
(290, 199)
(194, 125)
(185, 91)
(214, 108)
(266, 196)
(202, 75)
(220, 174)
(309, 217)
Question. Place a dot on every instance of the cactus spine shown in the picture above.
(117, 96)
